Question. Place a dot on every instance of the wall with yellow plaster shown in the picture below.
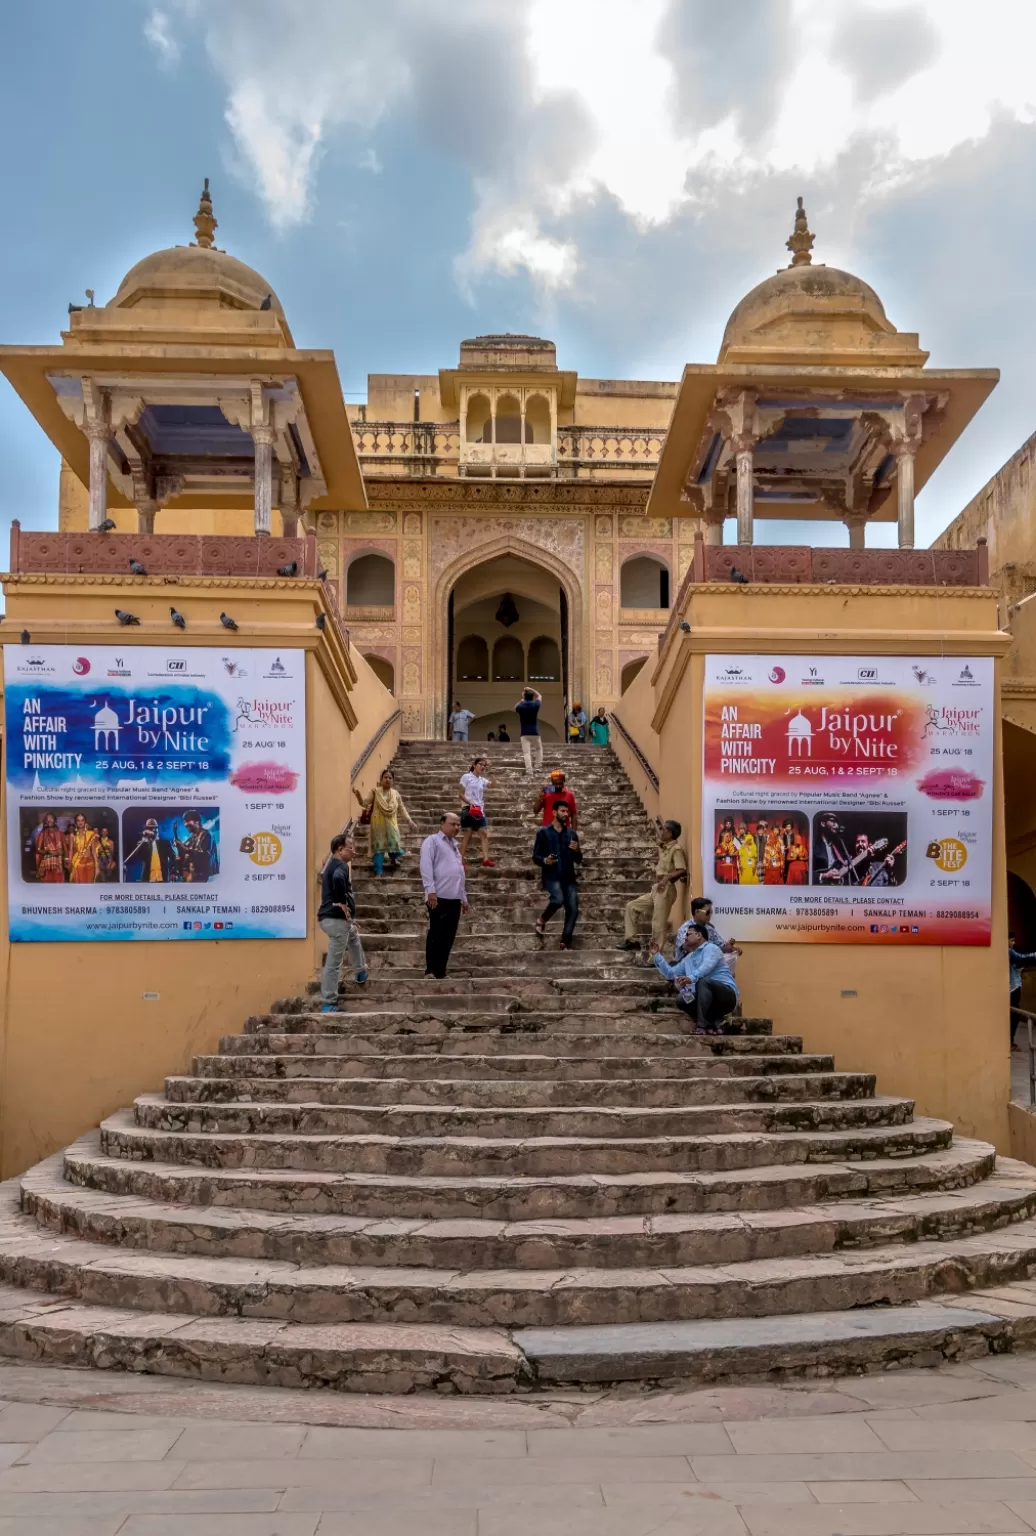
(78, 1037)
(932, 1022)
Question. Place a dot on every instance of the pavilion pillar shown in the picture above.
(904, 452)
(99, 437)
(744, 445)
(289, 501)
(262, 437)
(714, 519)
(856, 523)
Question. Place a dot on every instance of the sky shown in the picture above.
(613, 174)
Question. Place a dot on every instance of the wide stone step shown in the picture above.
(523, 1091)
(416, 1240)
(325, 1039)
(508, 1196)
(432, 1023)
(100, 1275)
(476, 1069)
(471, 1156)
(517, 1120)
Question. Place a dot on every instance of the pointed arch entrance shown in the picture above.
(467, 600)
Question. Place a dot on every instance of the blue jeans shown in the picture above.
(559, 896)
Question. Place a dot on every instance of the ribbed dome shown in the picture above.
(799, 290)
(199, 273)
(193, 271)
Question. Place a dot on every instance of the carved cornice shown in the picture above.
(11, 580)
(839, 589)
(548, 497)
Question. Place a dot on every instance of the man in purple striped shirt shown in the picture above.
(445, 893)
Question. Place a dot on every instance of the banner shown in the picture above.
(155, 794)
(849, 799)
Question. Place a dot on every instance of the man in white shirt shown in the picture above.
(445, 893)
(460, 722)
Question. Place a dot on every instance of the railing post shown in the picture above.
(982, 550)
(16, 541)
(698, 562)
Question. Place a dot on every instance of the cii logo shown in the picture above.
(866, 674)
(176, 664)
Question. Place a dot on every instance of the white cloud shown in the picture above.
(156, 30)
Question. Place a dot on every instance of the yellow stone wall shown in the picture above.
(77, 1038)
(932, 1022)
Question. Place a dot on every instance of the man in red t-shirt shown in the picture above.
(554, 793)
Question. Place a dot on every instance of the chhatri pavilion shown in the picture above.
(505, 520)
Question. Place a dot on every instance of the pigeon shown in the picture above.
(685, 626)
(321, 620)
(178, 619)
(137, 568)
(288, 570)
(26, 637)
(106, 526)
(227, 621)
(126, 618)
(738, 576)
(321, 575)
(267, 302)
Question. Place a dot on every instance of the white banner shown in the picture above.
(849, 799)
(155, 793)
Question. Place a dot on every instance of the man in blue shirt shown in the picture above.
(705, 985)
(528, 711)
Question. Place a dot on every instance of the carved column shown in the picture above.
(99, 436)
(289, 501)
(713, 518)
(743, 444)
(262, 437)
(856, 522)
(904, 452)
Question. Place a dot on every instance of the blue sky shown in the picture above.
(612, 173)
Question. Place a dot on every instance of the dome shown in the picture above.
(804, 311)
(198, 273)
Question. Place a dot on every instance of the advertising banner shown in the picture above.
(849, 799)
(155, 793)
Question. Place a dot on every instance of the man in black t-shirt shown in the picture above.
(528, 711)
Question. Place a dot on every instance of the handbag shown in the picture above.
(365, 816)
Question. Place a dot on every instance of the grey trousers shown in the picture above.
(343, 938)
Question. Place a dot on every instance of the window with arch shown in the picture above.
(478, 421)
(537, 419)
(383, 670)
(473, 660)
(630, 671)
(371, 582)
(544, 660)
(508, 660)
(644, 582)
(509, 420)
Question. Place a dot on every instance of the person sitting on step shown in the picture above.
(701, 912)
(670, 871)
(705, 985)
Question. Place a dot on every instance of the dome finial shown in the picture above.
(801, 242)
(205, 225)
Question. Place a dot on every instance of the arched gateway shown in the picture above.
(545, 604)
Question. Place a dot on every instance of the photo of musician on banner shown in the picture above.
(171, 845)
(859, 848)
(761, 847)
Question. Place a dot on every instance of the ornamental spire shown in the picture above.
(205, 225)
(801, 242)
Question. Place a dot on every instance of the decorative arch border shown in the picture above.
(481, 554)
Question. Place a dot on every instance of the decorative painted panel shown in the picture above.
(603, 562)
(412, 560)
(645, 527)
(370, 522)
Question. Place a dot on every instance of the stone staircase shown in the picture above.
(526, 1175)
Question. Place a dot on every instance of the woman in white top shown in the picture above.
(473, 786)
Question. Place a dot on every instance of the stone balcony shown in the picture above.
(427, 449)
